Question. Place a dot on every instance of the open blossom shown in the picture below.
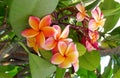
(52, 42)
(66, 56)
(98, 19)
(81, 15)
(38, 31)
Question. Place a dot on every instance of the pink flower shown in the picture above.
(81, 15)
(66, 56)
(89, 44)
(98, 19)
(52, 42)
(94, 36)
(38, 31)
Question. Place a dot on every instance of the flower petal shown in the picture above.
(71, 48)
(65, 32)
(92, 25)
(31, 42)
(57, 58)
(65, 64)
(58, 31)
(46, 21)
(28, 33)
(89, 46)
(62, 47)
(50, 43)
(48, 31)
(76, 65)
(67, 40)
(40, 39)
(36, 48)
(80, 17)
(80, 7)
(34, 22)
(72, 57)
(94, 36)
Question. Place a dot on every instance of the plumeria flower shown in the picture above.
(81, 15)
(52, 42)
(40, 29)
(98, 19)
(66, 56)
(94, 36)
(89, 44)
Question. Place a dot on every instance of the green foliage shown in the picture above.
(108, 5)
(117, 74)
(81, 49)
(90, 60)
(40, 68)
(19, 14)
(83, 73)
(108, 70)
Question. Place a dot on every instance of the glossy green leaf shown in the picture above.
(90, 60)
(109, 24)
(60, 72)
(110, 20)
(92, 5)
(115, 31)
(117, 74)
(108, 70)
(81, 48)
(40, 68)
(111, 11)
(20, 10)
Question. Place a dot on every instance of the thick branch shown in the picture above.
(112, 51)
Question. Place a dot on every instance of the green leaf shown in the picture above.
(111, 11)
(117, 74)
(109, 24)
(20, 10)
(110, 20)
(92, 5)
(60, 72)
(90, 60)
(81, 49)
(115, 31)
(46, 54)
(40, 68)
(108, 70)
(3, 75)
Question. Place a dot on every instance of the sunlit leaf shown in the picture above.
(40, 68)
(90, 60)
(81, 49)
(117, 74)
(20, 10)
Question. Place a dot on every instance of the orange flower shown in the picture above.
(81, 15)
(38, 31)
(52, 42)
(66, 56)
(98, 19)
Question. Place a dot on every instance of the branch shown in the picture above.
(112, 51)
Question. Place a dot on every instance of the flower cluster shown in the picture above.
(43, 36)
(96, 21)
